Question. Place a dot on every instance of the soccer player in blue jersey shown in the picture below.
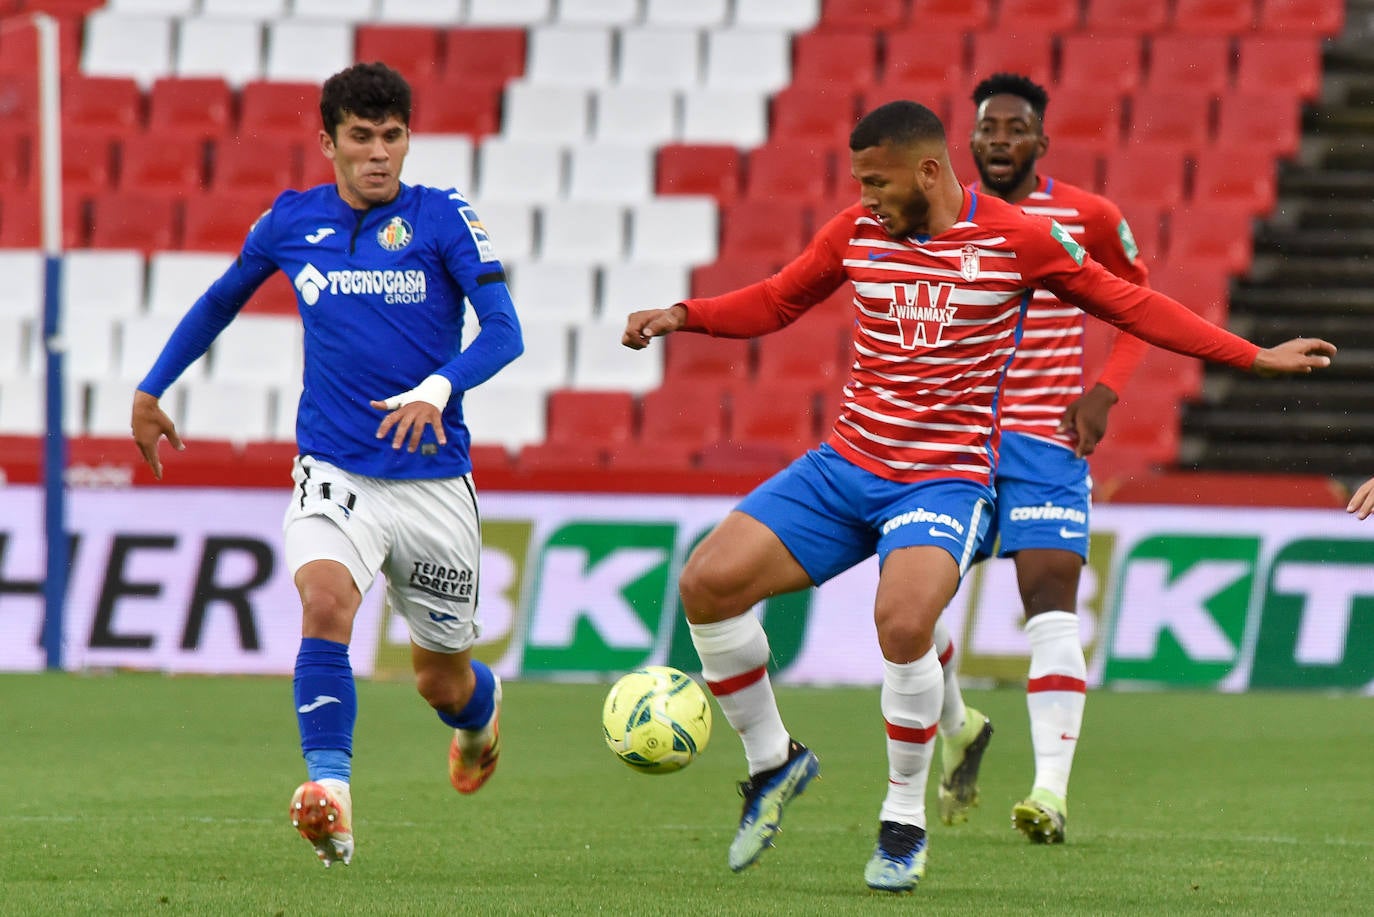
(383, 481)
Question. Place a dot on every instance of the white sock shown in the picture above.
(1055, 693)
(734, 662)
(952, 714)
(911, 700)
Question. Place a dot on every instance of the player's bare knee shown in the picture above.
(327, 615)
(707, 593)
(903, 637)
(444, 690)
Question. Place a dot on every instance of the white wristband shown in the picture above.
(433, 389)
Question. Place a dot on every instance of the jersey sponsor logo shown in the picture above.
(393, 286)
(1061, 235)
(1048, 511)
(319, 235)
(920, 515)
(921, 311)
(1123, 232)
(395, 235)
(485, 249)
(968, 262)
(451, 583)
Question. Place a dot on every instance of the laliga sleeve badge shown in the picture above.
(968, 262)
(395, 235)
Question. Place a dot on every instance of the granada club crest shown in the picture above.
(395, 235)
(968, 262)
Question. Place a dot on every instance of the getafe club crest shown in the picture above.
(395, 235)
(968, 262)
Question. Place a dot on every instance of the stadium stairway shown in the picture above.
(1312, 274)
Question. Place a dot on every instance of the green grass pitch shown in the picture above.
(143, 794)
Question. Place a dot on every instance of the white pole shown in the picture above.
(49, 133)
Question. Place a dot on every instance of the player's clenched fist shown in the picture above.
(642, 327)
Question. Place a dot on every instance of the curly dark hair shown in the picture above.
(1013, 84)
(371, 91)
(901, 122)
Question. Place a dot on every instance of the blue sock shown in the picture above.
(480, 706)
(326, 707)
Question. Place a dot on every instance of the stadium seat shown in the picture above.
(438, 160)
(659, 57)
(88, 336)
(115, 44)
(604, 418)
(838, 15)
(699, 170)
(16, 345)
(600, 361)
(836, 55)
(643, 115)
(582, 231)
(1037, 16)
(774, 230)
(105, 282)
(431, 12)
(177, 279)
(1098, 63)
(1085, 117)
(108, 104)
(487, 55)
(22, 292)
(19, 47)
(1196, 63)
(808, 353)
(86, 162)
(510, 224)
(928, 59)
(697, 358)
(1293, 17)
(790, 15)
(230, 49)
(681, 416)
(219, 222)
(674, 230)
(275, 297)
(509, 12)
(550, 294)
(162, 164)
(724, 116)
(1263, 120)
(519, 170)
(1280, 65)
(1200, 284)
(261, 10)
(655, 457)
(1217, 233)
(818, 117)
(942, 15)
(560, 457)
(598, 12)
(288, 109)
(632, 286)
(266, 165)
(286, 399)
(787, 172)
(1154, 171)
(20, 216)
(731, 273)
(1075, 163)
(546, 112)
(1178, 117)
(610, 172)
(1145, 217)
(306, 51)
(545, 362)
(567, 56)
(135, 219)
(1240, 175)
(781, 415)
(744, 60)
(258, 348)
(413, 50)
(998, 51)
(141, 338)
(239, 412)
(201, 107)
(22, 401)
(701, 14)
(473, 109)
(1213, 17)
(347, 10)
(1102, 18)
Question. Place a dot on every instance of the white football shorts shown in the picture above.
(423, 534)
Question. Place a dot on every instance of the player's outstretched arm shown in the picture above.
(643, 327)
(149, 424)
(1362, 503)
(1295, 357)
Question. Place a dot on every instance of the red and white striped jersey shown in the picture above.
(1047, 374)
(937, 320)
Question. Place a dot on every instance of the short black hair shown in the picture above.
(901, 122)
(1013, 84)
(370, 91)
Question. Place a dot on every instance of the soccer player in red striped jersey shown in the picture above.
(1362, 501)
(1044, 491)
(941, 276)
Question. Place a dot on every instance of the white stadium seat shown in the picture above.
(502, 414)
(510, 225)
(262, 10)
(569, 56)
(793, 15)
(305, 51)
(509, 12)
(660, 56)
(240, 412)
(177, 279)
(16, 347)
(90, 340)
(610, 172)
(258, 348)
(22, 292)
(582, 232)
(348, 10)
(141, 339)
(598, 12)
(636, 114)
(519, 170)
(547, 294)
(109, 403)
(231, 49)
(23, 406)
(745, 59)
(155, 7)
(636, 285)
(724, 116)
(136, 46)
(420, 12)
(697, 13)
(286, 398)
(440, 161)
(674, 230)
(533, 111)
(546, 360)
(600, 361)
(103, 280)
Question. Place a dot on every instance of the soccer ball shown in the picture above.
(656, 719)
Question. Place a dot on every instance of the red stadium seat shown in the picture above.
(19, 102)
(266, 165)
(604, 418)
(732, 272)
(1244, 176)
(711, 170)
(219, 221)
(781, 415)
(1154, 171)
(1293, 17)
(483, 54)
(1177, 117)
(829, 57)
(153, 162)
(1200, 284)
(563, 456)
(21, 216)
(644, 456)
(19, 45)
(1099, 63)
(1085, 117)
(475, 109)
(998, 52)
(681, 416)
(787, 172)
(275, 297)
(316, 168)
(924, 57)
(1280, 65)
(283, 109)
(1074, 163)
(773, 228)
(1217, 233)
(815, 116)
(1261, 119)
(1031, 16)
(87, 162)
(861, 14)
(135, 219)
(1136, 17)
(200, 107)
(1197, 63)
(697, 357)
(1145, 217)
(14, 170)
(963, 15)
(1213, 17)
(808, 353)
(102, 103)
(413, 50)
